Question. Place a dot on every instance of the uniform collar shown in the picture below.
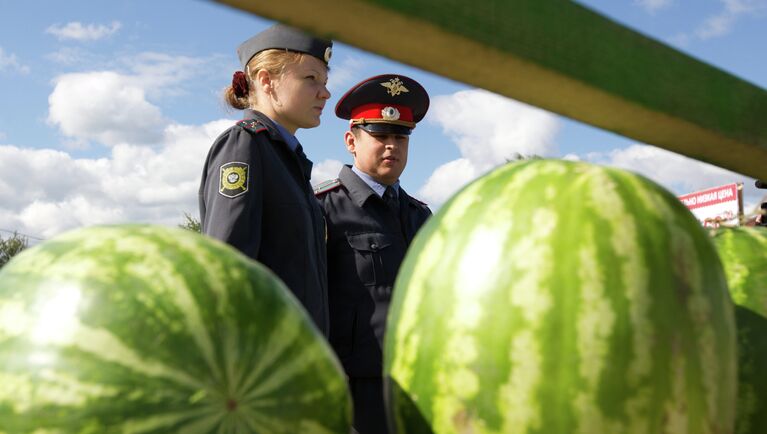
(377, 187)
(358, 190)
(275, 129)
(290, 139)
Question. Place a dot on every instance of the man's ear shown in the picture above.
(351, 142)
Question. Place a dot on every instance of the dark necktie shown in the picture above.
(390, 198)
(392, 202)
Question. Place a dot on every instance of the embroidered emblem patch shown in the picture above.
(394, 86)
(328, 54)
(233, 179)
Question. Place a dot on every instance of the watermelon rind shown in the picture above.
(743, 251)
(561, 297)
(150, 329)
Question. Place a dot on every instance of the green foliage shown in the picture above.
(191, 223)
(516, 156)
(11, 246)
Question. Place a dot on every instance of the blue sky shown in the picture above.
(108, 108)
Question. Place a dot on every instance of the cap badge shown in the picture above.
(394, 86)
(328, 54)
(390, 113)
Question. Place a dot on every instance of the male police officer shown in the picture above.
(371, 221)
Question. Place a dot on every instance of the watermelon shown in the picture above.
(561, 297)
(744, 255)
(148, 329)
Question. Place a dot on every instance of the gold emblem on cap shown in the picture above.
(394, 86)
(328, 54)
(390, 113)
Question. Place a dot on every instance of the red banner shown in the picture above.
(712, 196)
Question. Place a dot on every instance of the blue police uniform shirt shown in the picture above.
(377, 187)
(290, 139)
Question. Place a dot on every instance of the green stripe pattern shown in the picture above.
(149, 329)
(744, 255)
(561, 297)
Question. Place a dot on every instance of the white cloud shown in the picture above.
(70, 56)
(681, 40)
(44, 192)
(112, 107)
(675, 172)
(492, 129)
(77, 31)
(653, 5)
(161, 74)
(447, 179)
(9, 62)
(744, 6)
(341, 74)
(715, 26)
(107, 107)
(325, 170)
(721, 23)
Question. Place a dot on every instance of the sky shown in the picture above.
(108, 109)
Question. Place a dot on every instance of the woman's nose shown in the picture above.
(324, 92)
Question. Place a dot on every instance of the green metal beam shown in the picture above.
(560, 56)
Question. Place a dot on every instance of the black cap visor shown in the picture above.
(384, 128)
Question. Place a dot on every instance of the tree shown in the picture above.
(11, 246)
(516, 156)
(190, 223)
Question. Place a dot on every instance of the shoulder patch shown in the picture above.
(233, 179)
(252, 125)
(326, 186)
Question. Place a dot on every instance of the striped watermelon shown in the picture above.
(560, 297)
(744, 254)
(147, 329)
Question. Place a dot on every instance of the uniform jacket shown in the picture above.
(365, 249)
(272, 216)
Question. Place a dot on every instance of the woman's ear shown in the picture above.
(264, 81)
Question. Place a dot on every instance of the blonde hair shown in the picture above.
(273, 61)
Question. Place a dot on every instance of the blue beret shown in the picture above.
(282, 37)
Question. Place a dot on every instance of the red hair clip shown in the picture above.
(240, 84)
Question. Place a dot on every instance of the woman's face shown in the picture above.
(299, 94)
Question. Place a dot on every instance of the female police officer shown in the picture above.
(255, 192)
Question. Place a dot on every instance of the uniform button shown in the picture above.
(374, 246)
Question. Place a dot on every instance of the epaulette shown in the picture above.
(252, 125)
(326, 186)
(418, 201)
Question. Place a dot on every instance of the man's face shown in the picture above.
(382, 156)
